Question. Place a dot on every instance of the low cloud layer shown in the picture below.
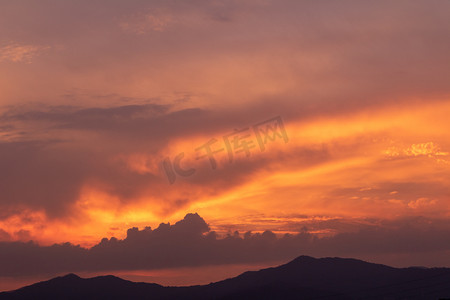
(190, 242)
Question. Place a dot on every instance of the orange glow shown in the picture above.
(363, 151)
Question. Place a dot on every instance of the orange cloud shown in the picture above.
(331, 167)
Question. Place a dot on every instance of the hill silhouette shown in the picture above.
(303, 278)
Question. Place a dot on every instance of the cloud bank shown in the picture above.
(190, 242)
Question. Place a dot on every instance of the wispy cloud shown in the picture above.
(144, 23)
(21, 53)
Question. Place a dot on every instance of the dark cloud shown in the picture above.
(50, 175)
(190, 242)
(71, 115)
(54, 171)
(34, 174)
(4, 236)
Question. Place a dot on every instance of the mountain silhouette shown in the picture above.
(303, 278)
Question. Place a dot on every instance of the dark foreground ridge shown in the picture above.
(303, 278)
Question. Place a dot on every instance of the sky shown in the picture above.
(169, 135)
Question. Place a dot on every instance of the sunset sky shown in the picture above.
(95, 95)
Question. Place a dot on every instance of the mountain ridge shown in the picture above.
(302, 278)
